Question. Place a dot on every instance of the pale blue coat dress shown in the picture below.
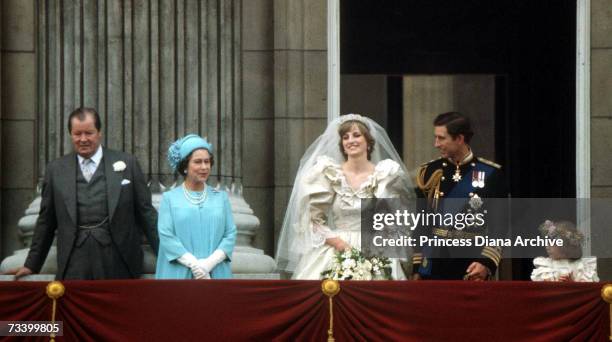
(200, 230)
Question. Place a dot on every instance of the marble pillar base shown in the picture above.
(247, 263)
(247, 260)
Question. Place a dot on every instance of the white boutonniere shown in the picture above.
(119, 166)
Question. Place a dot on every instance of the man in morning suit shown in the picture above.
(458, 183)
(97, 201)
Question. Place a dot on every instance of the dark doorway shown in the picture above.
(530, 46)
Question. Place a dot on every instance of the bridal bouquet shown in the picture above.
(354, 265)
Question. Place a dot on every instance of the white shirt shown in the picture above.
(96, 158)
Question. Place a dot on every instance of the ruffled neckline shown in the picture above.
(334, 173)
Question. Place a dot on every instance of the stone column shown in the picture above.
(155, 70)
(18, 117)
(300, 89)
(1, 231)
(601, 126)
(258, 114)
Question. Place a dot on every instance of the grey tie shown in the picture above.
(88, 169)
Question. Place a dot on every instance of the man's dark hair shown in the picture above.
(455, 123)
(81, 114)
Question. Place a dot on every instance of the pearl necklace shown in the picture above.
(195, 199)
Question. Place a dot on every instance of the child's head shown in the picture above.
(566, 231)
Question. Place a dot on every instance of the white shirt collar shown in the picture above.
(96, 158)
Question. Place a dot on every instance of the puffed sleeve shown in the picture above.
(543, 270)
(585, 270)
(389, 179)
(318, 185)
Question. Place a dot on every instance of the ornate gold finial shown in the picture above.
(55, 289)
(330, 287)
(606, 293)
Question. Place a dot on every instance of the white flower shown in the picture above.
(348, 263)
(354, 265)
(119, 166)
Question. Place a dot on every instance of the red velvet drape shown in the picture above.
(253, 310)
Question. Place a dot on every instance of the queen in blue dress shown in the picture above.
(196, 227)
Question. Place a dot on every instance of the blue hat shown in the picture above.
(181, 148)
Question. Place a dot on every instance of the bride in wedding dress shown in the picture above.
(352, 160)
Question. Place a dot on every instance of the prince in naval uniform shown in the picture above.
(457, 183)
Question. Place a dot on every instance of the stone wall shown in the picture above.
(601, 111)
(426, 96)
(1, 22)
(258, 114)
(284, 104)
(154, 70)
(18, 124)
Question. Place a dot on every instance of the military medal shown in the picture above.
(457, 175)
(478, 179)
(475, 202)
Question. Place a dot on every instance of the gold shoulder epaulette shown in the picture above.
(431, 161)
(490, 163)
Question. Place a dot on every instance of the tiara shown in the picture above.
(352, 117)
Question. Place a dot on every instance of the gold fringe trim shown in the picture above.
(494, 258)
(431, 188)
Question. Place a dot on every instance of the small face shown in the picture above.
(85, 136)
(199, 166)
(555, 252)
(444, 142)
(354, 142)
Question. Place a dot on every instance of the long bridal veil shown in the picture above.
(296, 232)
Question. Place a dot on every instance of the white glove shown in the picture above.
(189, 260)
(198, 273)
(207, 264)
